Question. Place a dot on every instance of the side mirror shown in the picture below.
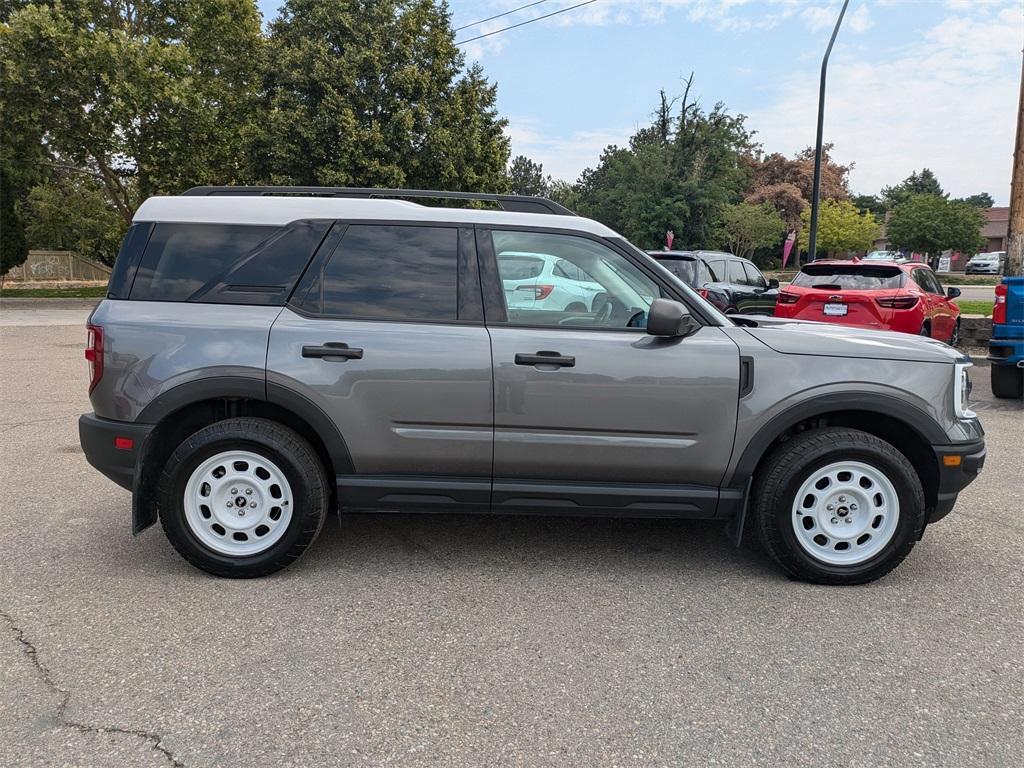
(670, 319)
(952, 293)
(773, 284)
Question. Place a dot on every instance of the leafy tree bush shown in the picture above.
(526, 177)
(841, 227)
(13, 248)
(744, 228)
(930, 224)
(72, 213)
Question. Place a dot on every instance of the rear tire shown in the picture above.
(838, 474)
(1007, 381)
(243, 497)
(954, 339)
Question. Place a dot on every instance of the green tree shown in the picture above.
(980, 200)
(744, 227)
(841, 227)
(675, 174)
(917, 183)
(13, 247)
(526, 177)
(564, 193)
(150, 96)
(931, 224)
(374, 94)
(71, 212)
(870, 204)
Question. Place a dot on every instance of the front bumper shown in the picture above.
(113, 447)
(953, 479)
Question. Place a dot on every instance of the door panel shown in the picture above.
(417, 402)
(631, 408)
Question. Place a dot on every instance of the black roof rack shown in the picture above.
(514, 203)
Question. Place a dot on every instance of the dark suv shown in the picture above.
(266, 356)
(733, 284)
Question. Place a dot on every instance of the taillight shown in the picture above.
(539, 291)
(897, 302)
(94, 354)
(999, 310)
(788, 298)
(703, 292)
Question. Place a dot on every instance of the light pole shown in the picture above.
(812, 246)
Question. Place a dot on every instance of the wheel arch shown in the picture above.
(187, 408)
(908, 429)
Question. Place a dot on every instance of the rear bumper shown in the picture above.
(953, 479)
(98, 438)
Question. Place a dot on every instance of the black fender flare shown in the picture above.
(872, 402)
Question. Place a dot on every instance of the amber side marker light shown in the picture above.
(952, 461)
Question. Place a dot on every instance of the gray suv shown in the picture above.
(266, 356)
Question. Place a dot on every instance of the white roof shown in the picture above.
(271, 210)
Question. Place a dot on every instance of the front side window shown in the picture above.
(754, 276)
(927, 280)
(735, 273)
(390, 273)
(603, 288)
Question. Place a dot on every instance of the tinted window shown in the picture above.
(684, 269)
(734, 273)
(392, 273)
(927, 280)
(128, 258)
(570, 271)
(267, 273)
(855, 277)
(707, 274)
(754, 276)
(182, 258)
(616, 295)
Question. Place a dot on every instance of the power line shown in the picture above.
(498, 16)
(523, 23)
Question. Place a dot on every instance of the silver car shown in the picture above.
(267, 356)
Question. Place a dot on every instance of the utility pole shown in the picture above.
(812, 243)
(1015, 237)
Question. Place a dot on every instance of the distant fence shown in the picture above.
(44, 266)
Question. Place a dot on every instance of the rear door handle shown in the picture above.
(333, 349)
(546, 358)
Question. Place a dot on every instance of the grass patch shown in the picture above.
(87, 292)
(975, 306)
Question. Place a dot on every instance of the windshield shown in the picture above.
(839, 277)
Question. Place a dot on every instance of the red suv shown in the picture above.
(887, 296)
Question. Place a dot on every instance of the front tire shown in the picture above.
(838, 506)
(1007, 381)
(243, 497)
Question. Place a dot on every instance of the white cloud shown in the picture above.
(945, 101)
(562, 157)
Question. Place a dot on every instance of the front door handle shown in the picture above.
(546, 358)
(333, 349)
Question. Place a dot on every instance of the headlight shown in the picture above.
(962, 391)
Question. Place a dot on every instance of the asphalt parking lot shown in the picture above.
(436, 640)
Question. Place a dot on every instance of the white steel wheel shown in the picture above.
(238, 503)
(845, 513)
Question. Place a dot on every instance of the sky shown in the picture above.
(911, 83)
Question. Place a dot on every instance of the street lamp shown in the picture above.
(813, 238)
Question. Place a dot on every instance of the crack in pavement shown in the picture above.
(29, 649)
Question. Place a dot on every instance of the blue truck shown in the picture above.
(1006, 347)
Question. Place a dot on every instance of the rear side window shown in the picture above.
(684, 269)
(390, 273)
(226, 263)
(520, 267)
(859, 277)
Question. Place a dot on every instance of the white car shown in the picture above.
(990, 263)
(542, 281)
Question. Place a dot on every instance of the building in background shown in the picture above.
(995, 228)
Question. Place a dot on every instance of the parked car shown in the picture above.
(894, 256)
(733, 284)
(263, 358)
(543, 281)
(897, 297)
(1006, 347)
(990, 263)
